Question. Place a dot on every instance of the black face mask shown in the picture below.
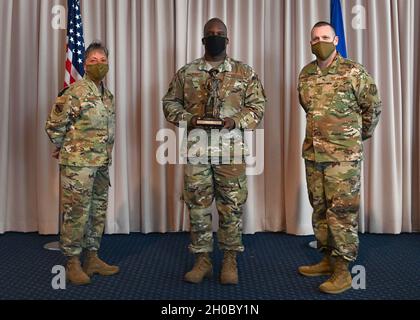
(215, 45)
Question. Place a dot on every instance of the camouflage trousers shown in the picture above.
(334, 193)
(84, 200)
(227, 184)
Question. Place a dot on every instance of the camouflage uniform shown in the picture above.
(242, 99)
(82, 125)
(342, 109)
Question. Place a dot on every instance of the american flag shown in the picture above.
(75, 44)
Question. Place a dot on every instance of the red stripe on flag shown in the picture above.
(68, 65)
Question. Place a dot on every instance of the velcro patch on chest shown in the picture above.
(195, 74)
(235, 75)
(92, 99)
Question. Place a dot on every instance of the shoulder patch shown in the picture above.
(59, 104)
(58, 109)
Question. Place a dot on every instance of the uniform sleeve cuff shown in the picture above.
(237, 122)
(187, 117)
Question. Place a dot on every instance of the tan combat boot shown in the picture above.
(229, 274)
(202, 268)
(341, 279)
(322, 268)
(74, 272)
(94, 265)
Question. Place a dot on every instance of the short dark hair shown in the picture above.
(214, 20)
(322, 24)
(96, 45)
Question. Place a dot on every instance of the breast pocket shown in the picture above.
(232, 94)
(234, 85)
(92, 114)
(85, 110)
(345, 99)
(195, 93)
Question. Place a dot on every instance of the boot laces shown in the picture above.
(339, 269)
(334, 276)
(202, 263)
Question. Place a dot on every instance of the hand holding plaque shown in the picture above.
(211, 118)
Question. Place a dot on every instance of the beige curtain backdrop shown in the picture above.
(149, 40)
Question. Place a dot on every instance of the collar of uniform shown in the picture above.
(225, 66)
(312, 68)
(332, 69)
(93, 87)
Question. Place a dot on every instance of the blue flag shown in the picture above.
(337, 22)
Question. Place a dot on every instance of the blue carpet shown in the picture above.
(152, 267)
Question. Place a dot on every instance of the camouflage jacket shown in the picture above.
(82, 125)
(342, 108)
(241, 96)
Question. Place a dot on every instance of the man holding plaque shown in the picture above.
(215, 94)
